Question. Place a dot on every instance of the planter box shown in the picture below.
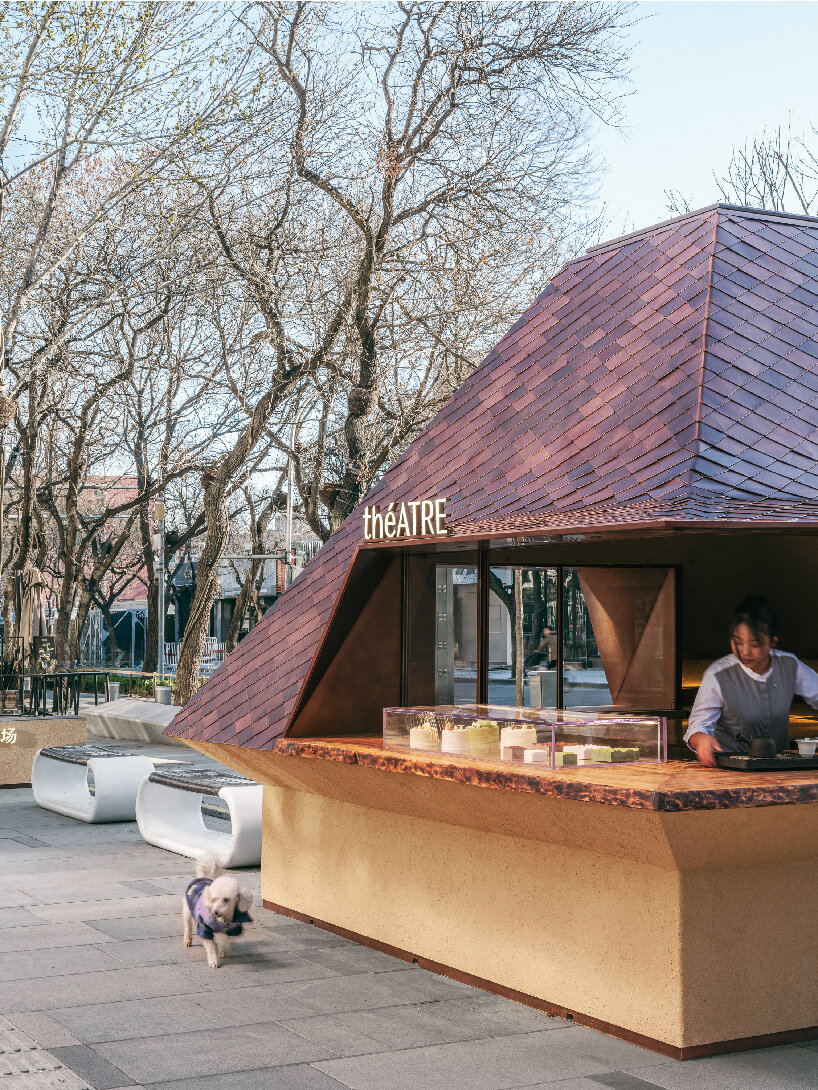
(22, 735)
(11, 700)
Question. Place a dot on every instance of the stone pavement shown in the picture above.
(97, 991)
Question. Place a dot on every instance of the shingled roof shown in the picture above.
(668, 377)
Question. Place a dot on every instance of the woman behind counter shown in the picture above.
(748, 694)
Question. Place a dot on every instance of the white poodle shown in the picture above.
(216, 907)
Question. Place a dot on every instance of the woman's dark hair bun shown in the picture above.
(757, 613)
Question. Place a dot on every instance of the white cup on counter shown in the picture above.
(806, 746)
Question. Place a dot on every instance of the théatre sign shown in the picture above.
(415, 518)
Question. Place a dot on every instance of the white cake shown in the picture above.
(538, 756)
(518, 736)
(423, 738)
(455, 739)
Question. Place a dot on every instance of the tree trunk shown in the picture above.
(62, 637)
(207, 587)
(519, 653)
(113, 650)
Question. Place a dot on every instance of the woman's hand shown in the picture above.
(705, 747)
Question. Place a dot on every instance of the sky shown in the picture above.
(705, 77)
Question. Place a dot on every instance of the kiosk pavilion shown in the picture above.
(636, 454)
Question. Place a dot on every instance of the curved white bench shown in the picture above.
(169, 814)
(59, 780)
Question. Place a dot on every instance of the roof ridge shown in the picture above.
(798, 218)
(702, 368)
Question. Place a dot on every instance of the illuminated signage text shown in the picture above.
(417, 518)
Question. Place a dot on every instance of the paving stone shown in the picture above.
(295, 1077)
(208, 1052)
(383, 1029)
(49, 935)
(608, 1050)
(621, 1080)
(352, 958)
(337, 994)
(126, 1019)
(149, 888)
(54, 962)
(247, 971)
(784, 1068)
(299, 939)
(117, 908)
(77, 892)
(575, 1084)
(68, 991)
(89, 1065)
(169, 950)
(489, 1016)
(29, 841)
(496, 1064)
(172, 951)
(43, 1029)
(17, 898)
(9, 845)
(328, 1031)
(18, 917)
(139, 927)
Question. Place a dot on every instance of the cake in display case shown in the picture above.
(528, 736)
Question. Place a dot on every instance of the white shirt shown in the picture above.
(709, 701)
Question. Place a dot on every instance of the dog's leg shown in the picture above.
(222, 945)
(212, 951)
(188, 924)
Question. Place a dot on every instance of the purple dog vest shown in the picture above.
(206, 922)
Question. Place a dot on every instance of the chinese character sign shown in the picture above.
(8, 735)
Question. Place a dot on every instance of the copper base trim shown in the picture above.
(688, 1052)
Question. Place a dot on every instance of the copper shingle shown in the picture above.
(667, 378)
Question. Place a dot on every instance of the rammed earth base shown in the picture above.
(631, 917)
(30, 734)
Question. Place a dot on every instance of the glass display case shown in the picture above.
(527, 736)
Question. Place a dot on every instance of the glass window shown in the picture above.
(522, 637)
(584, 681)
(456, 635)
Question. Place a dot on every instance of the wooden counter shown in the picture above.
(668, 788)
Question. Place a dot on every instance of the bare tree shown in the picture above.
(776, 171)
(259, 510)
(416, 141)
(96, 101)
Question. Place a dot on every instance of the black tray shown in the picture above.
(784, 762)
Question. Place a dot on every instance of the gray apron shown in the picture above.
(756, 709)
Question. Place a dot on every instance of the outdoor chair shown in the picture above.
(169, 813)
(59, 781)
